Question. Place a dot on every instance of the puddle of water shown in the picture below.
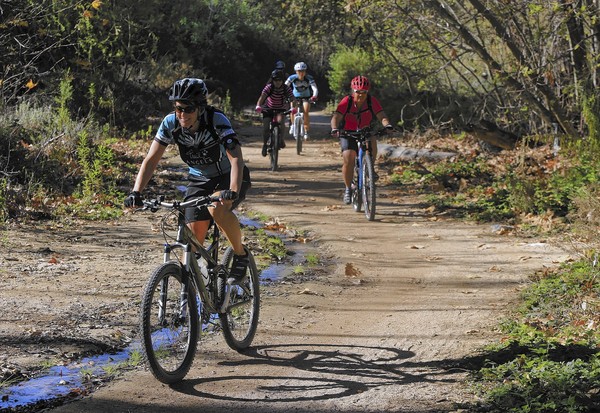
(273, 273)
(248, 222)
(60, 381)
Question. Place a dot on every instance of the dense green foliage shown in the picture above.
(549, 360)
(525, 65)
(531, 183)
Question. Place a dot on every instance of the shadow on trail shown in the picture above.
(334, 371)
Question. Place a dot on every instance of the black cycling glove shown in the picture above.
(133, 199)
(229, 195)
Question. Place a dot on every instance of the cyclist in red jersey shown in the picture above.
(356, 111)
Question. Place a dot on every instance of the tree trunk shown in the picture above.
(549, 110)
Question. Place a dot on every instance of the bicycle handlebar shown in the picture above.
(277, 111)
(362, 134)
(154, 204)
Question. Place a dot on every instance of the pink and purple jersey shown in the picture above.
(277, 97)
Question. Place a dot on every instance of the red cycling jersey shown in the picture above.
(358, 118)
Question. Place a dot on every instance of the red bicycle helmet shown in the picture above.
(360, 83)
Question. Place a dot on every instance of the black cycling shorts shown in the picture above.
(348, 143)
(199, 186)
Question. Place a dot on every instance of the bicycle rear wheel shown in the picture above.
(368, 186)
(240, 320)
(274, 148)
(169, 324)
(356, 190)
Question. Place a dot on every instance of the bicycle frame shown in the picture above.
(298, 124)
(187, 241)
(362, 152)
(363, 193)
(275, 125)
(170, 320)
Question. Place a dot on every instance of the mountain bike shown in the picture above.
(363, 181)
(189, 292)
(297, 126)
(275, 137)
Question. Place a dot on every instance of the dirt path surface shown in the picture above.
(390, 327)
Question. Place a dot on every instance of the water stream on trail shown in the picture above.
(77, 378)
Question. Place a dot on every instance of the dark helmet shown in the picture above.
(190, 90)
(360, 83)
(279, 65)
(277, 75)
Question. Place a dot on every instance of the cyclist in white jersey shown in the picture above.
(305, 90)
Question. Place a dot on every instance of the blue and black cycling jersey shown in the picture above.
(204, 151)
(302, 88)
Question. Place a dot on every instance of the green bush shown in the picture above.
(549, 360)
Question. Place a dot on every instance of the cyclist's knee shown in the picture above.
(220, 211)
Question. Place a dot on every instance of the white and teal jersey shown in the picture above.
(302, 88)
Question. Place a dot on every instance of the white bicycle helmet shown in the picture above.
(300, 66)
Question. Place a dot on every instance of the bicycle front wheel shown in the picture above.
(300, 129)
(169, 324)
(240, 320)
(368, 186)
(274, 148)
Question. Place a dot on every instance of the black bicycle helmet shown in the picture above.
(277, 75)
(190, 90)
(280, 65)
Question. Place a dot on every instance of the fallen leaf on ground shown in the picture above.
(331, 207)
(351, 271)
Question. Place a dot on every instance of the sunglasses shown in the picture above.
(360, 92)
(185, 109)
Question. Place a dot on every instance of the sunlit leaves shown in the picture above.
(31, 84)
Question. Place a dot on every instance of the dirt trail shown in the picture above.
(408, 301)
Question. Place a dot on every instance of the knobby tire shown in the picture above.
(298, 133)
(240, 321)
(169, 340)
(356, 190)
(368, 186)
(274, 148)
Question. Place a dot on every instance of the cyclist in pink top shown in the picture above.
(356, 111)
(275, 95)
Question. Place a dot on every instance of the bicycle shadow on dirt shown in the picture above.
(336, 371)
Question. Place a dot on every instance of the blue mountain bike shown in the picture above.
(363, 183)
